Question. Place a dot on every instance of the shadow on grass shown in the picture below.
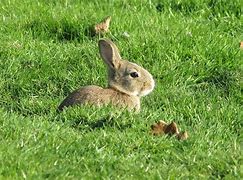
(74, 120)
(108, 121)
(222, 79)
(185, 7)
(62, 30)
(213, 8)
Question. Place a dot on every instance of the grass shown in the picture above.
(190, 47)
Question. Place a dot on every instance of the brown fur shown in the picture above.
(95, 95)
(124, 90)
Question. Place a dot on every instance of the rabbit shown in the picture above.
(127, 82)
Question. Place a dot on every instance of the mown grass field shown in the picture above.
(190, 47)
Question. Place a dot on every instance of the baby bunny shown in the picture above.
(127, 82)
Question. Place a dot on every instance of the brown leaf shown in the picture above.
(241, 45)
(103, 26)
(158, 128)
(182, 135)
(171, 129)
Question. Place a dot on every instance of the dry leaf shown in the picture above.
(158, 128)
(103, 26)
(182, 135)
(100, 28)
(241, 45)
(171, 129)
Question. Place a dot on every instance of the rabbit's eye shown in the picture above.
(134, 74)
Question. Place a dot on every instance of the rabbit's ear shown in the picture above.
(109, 53)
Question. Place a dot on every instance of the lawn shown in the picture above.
(190, 47)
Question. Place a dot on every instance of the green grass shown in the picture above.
(190, 47)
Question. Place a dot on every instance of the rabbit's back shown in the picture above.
(98, 96)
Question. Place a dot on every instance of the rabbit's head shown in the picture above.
(125, 76)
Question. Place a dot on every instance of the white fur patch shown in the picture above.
(147, 91)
